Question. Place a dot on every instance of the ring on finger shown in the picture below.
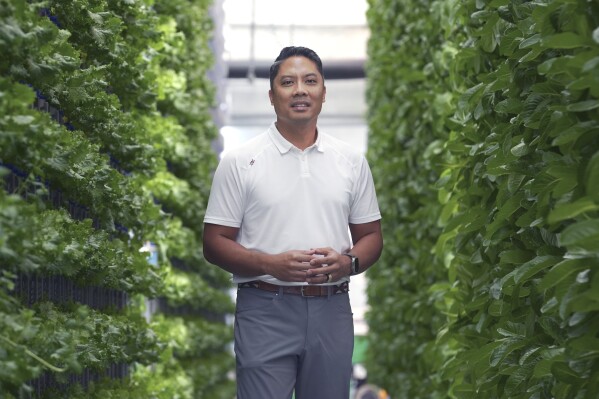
(329, 277)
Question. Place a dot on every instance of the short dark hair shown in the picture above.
(293, 51)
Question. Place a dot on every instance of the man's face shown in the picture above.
(298, 91)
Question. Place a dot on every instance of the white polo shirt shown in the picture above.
(282, 198)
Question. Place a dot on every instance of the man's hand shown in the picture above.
(291, 266)
(329, 262)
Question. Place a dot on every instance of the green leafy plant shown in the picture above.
(49, 242)
(518, 243)
(410, 100)
(105, 109)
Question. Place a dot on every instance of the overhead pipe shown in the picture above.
(338, 69)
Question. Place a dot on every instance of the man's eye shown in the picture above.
(286, 82)
(311, 81)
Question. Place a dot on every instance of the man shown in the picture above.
(278, 218)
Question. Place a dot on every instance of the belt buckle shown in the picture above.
(304, 295)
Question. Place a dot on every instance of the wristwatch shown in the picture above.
(355, 264)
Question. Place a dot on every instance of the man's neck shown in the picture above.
(301, 136)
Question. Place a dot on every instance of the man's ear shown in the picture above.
(324, 94)
(270, 96)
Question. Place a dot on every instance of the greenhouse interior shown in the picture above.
(479, 121)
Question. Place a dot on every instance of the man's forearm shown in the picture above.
(221, 249)
(368, 249)
(234, 258)
(368, 243)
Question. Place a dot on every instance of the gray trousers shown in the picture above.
(285, 342)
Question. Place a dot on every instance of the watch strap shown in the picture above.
(355, 266)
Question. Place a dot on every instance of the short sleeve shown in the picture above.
(364, 206)
(225, 204)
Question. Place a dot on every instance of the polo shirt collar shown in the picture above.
(285, 146)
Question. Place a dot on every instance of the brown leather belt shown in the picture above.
(303, 290)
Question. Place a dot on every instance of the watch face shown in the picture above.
(355, 264)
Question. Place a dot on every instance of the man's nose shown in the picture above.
(300, 89)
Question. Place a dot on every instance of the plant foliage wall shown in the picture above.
(484, 119)
(105, 134)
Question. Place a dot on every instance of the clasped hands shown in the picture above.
(314, 266)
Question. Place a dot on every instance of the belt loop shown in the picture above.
(329, 291)
(281, 291)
